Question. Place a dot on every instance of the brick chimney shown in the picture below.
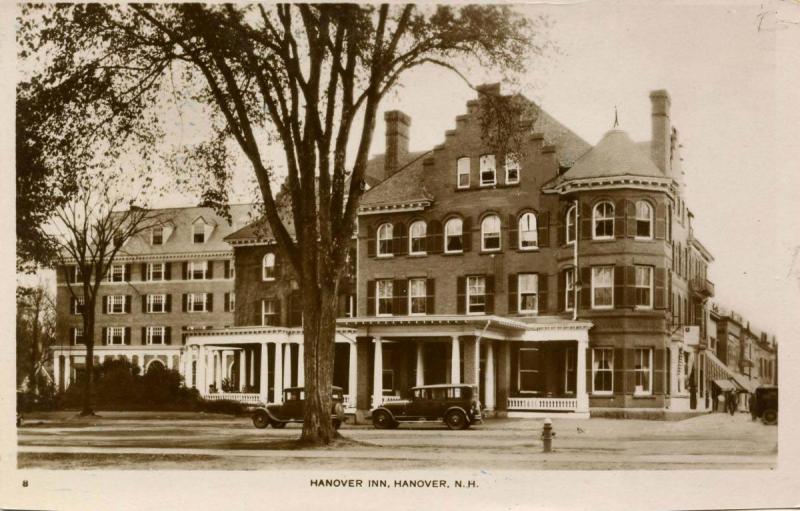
(661, 143)
(397, 124)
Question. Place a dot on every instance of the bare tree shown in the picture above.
(35, 333)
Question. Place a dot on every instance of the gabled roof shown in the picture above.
(405, 185)
(615, 155)
(569, 146)
(260, 231)
(374, 172)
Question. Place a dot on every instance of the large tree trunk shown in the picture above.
(88, 336)
(33, 377)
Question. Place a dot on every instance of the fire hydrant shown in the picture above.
(547, 435)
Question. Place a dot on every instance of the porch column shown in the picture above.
(57, 370)
(187, 366)
(362, 377)
(582, 405)
(471, 360)
(263, 388)
(200, 370)
(488, 377)
(277, 383)
(352, 375)
(228, 370)
(377, 374)
(455, 360)
(67, 373)
(301, 365)
(251, 378)
(242, 370)
(169, 360)
(503, 375)
(420, 364)
(287, 366)
(218, 369)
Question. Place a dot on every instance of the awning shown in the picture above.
(726, 385)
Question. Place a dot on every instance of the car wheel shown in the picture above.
(278, 425)
(770, 417)
(382, 420)
(260, 420)
(456, 420)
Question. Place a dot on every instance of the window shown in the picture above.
(570, 224)
(416, 296)
(569, 289)
(77, 305)
(268, 267)
(116, 273)
(115, 335)
(156, 303)
(384, 297)
(115, 304)
(603, 221)
(74, 274)
(527, 292)
(463, 172)
(155, 272)
(644, 287)
(199, 232)
(232, 302)
(416, 237)
(490, 233)
(528, 376)
(77, 336)
(602, 287)
(196, 302)
(528, 237)
(643, 370)
(385, 235)
(231, 269)
(198, 270)
(388, 380)
(512, 169)
(453, 236)
(157, 236)
(155, 335)
(644, 220)
(476, 295)
(488, 173)
(269, 313)
(602, 370)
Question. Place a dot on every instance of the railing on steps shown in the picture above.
(562, 404)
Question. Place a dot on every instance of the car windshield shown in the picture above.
(293, 395)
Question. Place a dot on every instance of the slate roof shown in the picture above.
(374, 172)
(615, 155)
(259, 230)
(405, 185)
(569, 146)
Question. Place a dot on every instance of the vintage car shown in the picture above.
(764, 404)
(293, 409)
(457, 405)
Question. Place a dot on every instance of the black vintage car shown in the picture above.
(293, 409)
(764, 404)
(456, 405)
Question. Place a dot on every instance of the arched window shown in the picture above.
(463, 172)
(453, 236)
(385, 235)
(644, 220)
(416, 237)
(603, 221)
(268, 267)
(528, 238)
(490, 233)
(570, 224)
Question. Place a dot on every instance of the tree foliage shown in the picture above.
(36, 325)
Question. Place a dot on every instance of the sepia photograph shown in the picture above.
(386, 252)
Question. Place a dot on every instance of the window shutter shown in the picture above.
(430, 298)
(586, 288)
(543, 292)
(72, 304)
(279, 321)
(630, 219)
(434, 239)
(586, 221)
(185, 302)
(72, 335)
(659, 288)
(400, 241)
(619, 286)
(543, 228)
(104, 333)
(659, 371)
(143, 267)
(370, 298)
(210, 302)
(461, 295)
(466, 230)
(167, 271)
(144, 336)
(144, 303)
(561, 227)
(168, 335)
(127, 273)
(105, 304)
(128, 300)
(127, 339)
(227, 268)
(619, 218)
(185, 270)
(661, 222)
(513, 226)
(490, 294)
(226, 305)
(512, 294)
(371, 242)
(588, 368)
(630, 374)
(400, 297)
(341, 305)
(168, 299)
(630, 287)
(561, 291)
(210, 269)
(619, 372)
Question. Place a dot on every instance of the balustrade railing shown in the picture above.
(543, 403)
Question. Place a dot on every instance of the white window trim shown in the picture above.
(569, 289)
(650, 221)
(602, 307)
(232, 301)
(190, 299)
(111, 301)
(595, 371)
(150, 272)
(149, 334)
(650, 287)
(153, 235)
(205, 234)
(151, 303)
(264, 267)
(459, 172)
(519, 371)
(192, 270)
(572, 213)
(519, 294)
(480, 171)
(273, 313)
(112, 271)
(499, 234)
(410, 237)
(75, 336)
(110, 335)
(461, 251)
(535, 230)
(595, 219)
(424, 296)
(79, 301)
(378, 239)
(378, 297)
(467, 295)
(514, 162)
(649, 370)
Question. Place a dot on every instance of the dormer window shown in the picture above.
(199, 232)
(488, 170)
(157, 236)
(512, 169)
(463, 172)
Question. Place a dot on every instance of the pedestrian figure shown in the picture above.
(730, 401)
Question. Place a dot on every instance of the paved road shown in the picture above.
(174, 441)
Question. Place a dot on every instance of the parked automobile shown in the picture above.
(764, 404)
(278, 415)
(456, 405)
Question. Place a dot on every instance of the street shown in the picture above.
(190, 441)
